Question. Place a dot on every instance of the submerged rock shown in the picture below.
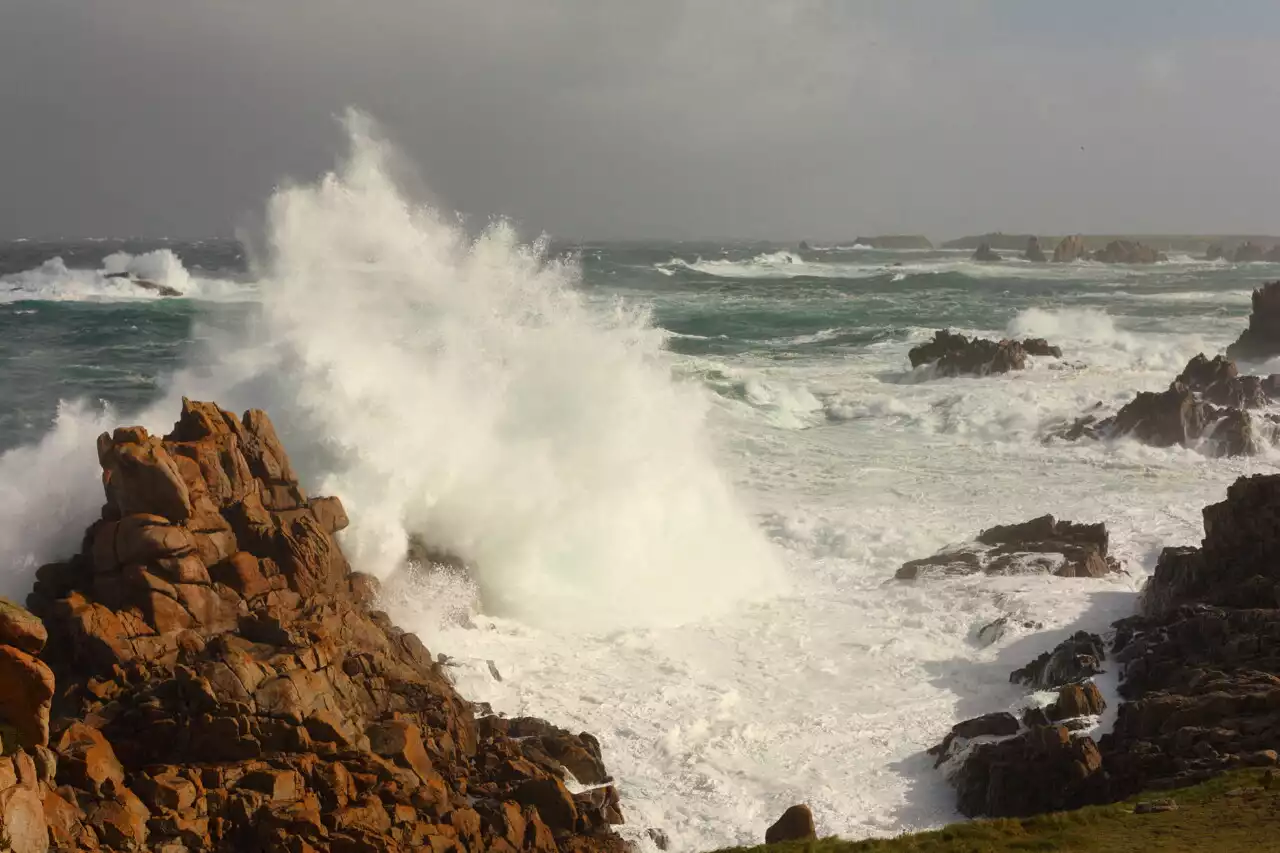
(1042, 545)
(954, 354)
(1075, 659)
(222, 683)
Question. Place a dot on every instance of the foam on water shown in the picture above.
(686, 555)
(53, 281)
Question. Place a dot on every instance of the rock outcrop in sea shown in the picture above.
(1033, 252)
(1200, 681)
(1248, 252)
(209, 674)
(1206, 407)
(953, 354)
(985, 253)
(1261, 340)
(1128, 252)
(1042, 545)
(1070, 249)
(1214, 252)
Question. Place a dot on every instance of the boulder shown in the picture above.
(1261, 340)
(1044, 769)
(796, 824)
(26, 696)
(21, 629)
(985, 253)
(1127, 252)
(1214, 252)
(22, 822)
(1070, 249)
(1077, 700)
(1042, 545)
(1033, 252)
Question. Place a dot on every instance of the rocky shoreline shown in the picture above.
(208, 674)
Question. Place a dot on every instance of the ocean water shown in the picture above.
(683, 475)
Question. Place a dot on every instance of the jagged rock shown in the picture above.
(1041, 545)
(957, 355)
(1261, 340)
(1075, 659)
(1070, 249)
(1077, 700)
(796, 824)
(223, 685)
(1041, 770)
(1033, 252)
(1127, 252)
(985, 253)
(1247, 252)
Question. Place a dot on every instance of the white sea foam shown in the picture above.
(116, 280)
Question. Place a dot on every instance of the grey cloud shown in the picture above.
(680, 118)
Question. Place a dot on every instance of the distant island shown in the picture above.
(1190, 244)
(896, 241)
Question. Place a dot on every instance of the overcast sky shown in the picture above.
(652, 118)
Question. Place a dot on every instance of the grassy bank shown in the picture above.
(1235, 813)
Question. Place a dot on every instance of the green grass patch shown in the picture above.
(1231, 814)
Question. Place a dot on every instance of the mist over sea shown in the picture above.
(682, 473)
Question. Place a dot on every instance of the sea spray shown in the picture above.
(463, 390)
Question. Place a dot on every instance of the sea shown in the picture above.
(681, 475)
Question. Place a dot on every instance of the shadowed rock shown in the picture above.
(954, 354)
(1261, 340)
(1042, 545)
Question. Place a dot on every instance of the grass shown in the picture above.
(1231, 814)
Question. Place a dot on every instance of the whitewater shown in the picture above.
(681, 476)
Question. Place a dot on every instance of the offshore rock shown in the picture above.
(954, 354)
(222, 683)
(1070, 249)
(1075, 659)
(1128, 252)
(1042, 545)
(1261, 340)
(796, 824)
(1247, 252)
(985, 253)
(1033, 252)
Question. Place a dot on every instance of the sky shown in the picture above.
(683, 119)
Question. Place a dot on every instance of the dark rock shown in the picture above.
(1155, 806)
(1033, 252)
(957, 355)
(1077, 700)
(1261, 340)
(1041, 770)
(999, 724)
(1201, 372)
(1075, 659)
(796, 824)
(1043, 544)
(985, 253)
(1214, 252)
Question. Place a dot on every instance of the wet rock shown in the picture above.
(957, 355)
(1075, 659)
(1247, 252)
(1033, 252)
(1070, 249)
(1001, 724)
(1041, 545)
(796, 824)
(1214, 252)
(1077, 700)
